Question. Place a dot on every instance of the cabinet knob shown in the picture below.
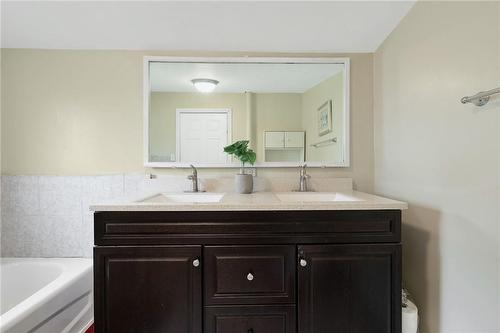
(303, 262)
(249, 276)
(250, 330)
(196, 262)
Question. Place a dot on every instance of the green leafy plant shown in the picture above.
(241, 151)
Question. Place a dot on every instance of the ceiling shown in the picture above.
(279, 26)
(239, 78)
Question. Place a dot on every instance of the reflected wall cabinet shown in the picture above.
(284, 146)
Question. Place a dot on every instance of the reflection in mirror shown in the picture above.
(291, 112)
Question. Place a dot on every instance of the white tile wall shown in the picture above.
(20, 195)
(48, 216)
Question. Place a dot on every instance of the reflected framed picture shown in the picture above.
(325, 118)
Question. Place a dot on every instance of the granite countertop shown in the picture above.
(345, 200)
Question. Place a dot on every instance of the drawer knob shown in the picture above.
(303, 262)
(250, 330)
(250, 278)
(196, 262)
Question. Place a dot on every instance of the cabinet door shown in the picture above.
(147, 289)
(294, 139)
(274, 139)
(349, 288)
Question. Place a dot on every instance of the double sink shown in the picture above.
(285, 197)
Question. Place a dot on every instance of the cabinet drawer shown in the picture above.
(249, 274)
(247, 227)
(250, 319)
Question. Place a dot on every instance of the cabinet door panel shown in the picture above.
(350, 288)
(147, 289)
(274, 139)
(294, 139)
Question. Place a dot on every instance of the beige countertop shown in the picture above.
(345, 200)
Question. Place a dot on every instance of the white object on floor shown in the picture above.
(410, 318)
(46, 295)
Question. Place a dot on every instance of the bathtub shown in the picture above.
(45, 295)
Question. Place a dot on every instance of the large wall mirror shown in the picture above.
(292, 110)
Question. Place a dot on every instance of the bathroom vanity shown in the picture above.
(259, 263)
(268, 262)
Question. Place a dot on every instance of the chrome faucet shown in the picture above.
(303, 179)
(194, 179)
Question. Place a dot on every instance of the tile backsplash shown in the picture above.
(49, 216)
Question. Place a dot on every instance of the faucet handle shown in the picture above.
(303, 171)
(194, 169)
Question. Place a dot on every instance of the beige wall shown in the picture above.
(331, 89)
(276, 112)
(444, 159)
(273, 111)
(80, 112)
(163, 114)
(71, 112)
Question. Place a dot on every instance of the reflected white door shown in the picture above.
(202, 135)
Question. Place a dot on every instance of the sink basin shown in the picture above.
(185, 198)
(315, 197)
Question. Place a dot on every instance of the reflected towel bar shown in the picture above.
(322, 143)
(481, 98)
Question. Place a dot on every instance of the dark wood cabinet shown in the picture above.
(148, 289)
(349, 288)
(248, 272)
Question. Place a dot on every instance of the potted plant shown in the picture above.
(243, 182)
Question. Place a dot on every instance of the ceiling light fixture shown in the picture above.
(205, 85)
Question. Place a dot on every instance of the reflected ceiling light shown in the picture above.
(205, 85)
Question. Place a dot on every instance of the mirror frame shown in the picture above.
(264, 60)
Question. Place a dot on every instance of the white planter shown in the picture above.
(243, 184)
